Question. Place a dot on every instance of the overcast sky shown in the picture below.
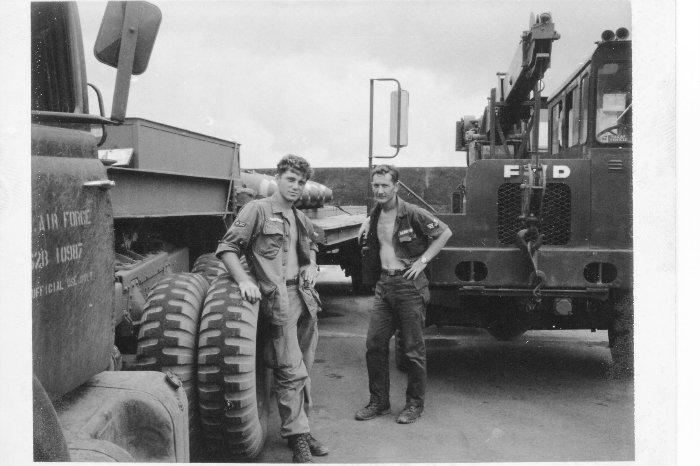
(293, 77)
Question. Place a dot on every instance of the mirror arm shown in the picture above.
(79, 118)
(371, 133)
(387, 156)
(371, 119)
(127, 51)
(99, 99)
(102, 113)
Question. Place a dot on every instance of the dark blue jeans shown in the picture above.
(398, 303)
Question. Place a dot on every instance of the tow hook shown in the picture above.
(529, 239)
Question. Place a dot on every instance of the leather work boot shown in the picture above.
(316, 447)
(372, 410)
(410, 414)
(301, 453)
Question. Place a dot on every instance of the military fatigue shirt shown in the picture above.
(413, 229)
(261, 234)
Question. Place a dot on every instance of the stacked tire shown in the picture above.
(233, 384)
(209, 267)
(167, 339)
(197, 326)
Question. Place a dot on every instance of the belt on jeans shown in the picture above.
(394, 272)
(292, 282)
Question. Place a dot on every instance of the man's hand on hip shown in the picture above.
(415, 270)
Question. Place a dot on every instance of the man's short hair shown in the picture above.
(295, 163)
(386, 169)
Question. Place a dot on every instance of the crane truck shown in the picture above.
(142, 348)
(542, 223)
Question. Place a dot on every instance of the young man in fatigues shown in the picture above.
(402, 239)
(278, 242)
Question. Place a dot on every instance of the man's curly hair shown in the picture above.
(296, 164)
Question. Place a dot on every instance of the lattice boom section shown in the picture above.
(556, 213)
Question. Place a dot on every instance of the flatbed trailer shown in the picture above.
(179, 179)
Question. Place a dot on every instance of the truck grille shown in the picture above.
(556, 213)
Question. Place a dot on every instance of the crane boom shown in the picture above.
(514, 103)
(531, 60)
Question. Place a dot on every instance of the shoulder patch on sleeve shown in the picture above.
(239, 224)
(434, 224)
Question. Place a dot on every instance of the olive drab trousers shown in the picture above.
(290, 350)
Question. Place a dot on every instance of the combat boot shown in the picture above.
(372, 410)
(301, 453)
(316, 447)
(410, 414)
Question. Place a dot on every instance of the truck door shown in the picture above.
(72, 237)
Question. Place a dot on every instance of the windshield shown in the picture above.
(614, 103)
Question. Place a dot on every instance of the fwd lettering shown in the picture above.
(558, 171)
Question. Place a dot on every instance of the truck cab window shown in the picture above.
(556, 128)
(52, 70)
(614, 104)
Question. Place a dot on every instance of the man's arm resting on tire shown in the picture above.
(249, 290)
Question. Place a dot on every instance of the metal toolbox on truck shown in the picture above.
(170, 172)
(162, 148)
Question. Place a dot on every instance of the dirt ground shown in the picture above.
(544, 397)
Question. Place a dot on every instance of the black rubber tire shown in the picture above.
(507, 319)
(167, 339)
(621, 335)
(233, 383)
(209, 267)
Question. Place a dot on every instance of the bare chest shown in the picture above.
(385, 227)
(293, 231)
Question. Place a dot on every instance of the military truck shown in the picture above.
(542, 226)
(143, 349)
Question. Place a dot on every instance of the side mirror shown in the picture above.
(141, 18)
(125, 41)
(398, 120)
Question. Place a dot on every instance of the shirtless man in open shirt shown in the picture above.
(402, 239)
